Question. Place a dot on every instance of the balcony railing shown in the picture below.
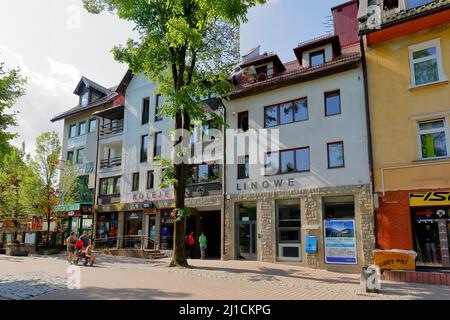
(115, 127)
(393, 9)
(108, 199)
(204, 189)
(85, 196)
(111, 163)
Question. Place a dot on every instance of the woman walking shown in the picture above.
(71, 243)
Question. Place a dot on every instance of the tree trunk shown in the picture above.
(48, 230)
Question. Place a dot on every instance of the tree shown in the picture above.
(188, 47)
(15, 179)
(52, 187)
(11, 89)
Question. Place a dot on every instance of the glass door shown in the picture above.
(151, 232)
(246, 231)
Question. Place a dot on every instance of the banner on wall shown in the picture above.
(340, 242)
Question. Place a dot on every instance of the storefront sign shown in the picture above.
(421, 199)
(148, 196)
(311, 244)
(340, 241)
(266, 184)
(395, 259)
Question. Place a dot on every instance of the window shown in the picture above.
(317, 58)
(288, 161)
(150, 180)
(243, 121)
(135, 183)
(289, 230)
(82, 128)
(157, 144)
(84, 98)
(80, 156)
(426, 63)
(433, 140)
(92, 125)
(159, 102)
(244, 168)
(110, 186)
(145, 110)
(332, 103)
(144, 148)
(285, 113)
(95, 96)
(339, 207)
(335, 155)
(204, 173)
(70, 157)
(72, 130)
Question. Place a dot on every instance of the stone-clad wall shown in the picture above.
(312, 221)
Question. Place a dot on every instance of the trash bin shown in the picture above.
(370, 279)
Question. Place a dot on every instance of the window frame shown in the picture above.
(278, 108)
(197, 173)
(279, 152)
(145, 113)
(78, 155)
(70, 130)
(239, 166)
(157, 118)
(89, 125)
(436, 43)
(343, 154)
(70, 158)
(332, 93)
(79, 128)
(143, 151)
(116, 183)
(445, 129)
(239, 115)
(155, 140)
(316, 53)
(150, 186)
(135, 178)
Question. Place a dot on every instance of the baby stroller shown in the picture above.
(79, 253)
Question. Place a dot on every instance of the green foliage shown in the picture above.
(168, 178)
(182, 213)
(11, 89)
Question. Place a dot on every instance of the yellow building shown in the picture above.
(407, 52)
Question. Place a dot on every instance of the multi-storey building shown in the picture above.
(309, 202)
(79, 148)
(407, 44)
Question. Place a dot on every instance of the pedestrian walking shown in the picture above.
(191, 244)
(71, 242)
(203, 244)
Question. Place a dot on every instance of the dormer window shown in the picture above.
(84, 98)
(317, 58)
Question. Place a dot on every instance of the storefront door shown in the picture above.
(151, 232)
(133, 230)
(246, 231)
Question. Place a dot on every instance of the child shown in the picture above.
(89, 254)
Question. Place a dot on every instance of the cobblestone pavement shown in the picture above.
(128, 278)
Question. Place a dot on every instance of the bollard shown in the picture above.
(370, 279)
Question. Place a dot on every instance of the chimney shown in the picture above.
(346, 25)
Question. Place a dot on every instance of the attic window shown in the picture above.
(390, 4)
(317, 58)
(84, 98)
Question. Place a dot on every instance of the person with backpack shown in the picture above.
(191, 245)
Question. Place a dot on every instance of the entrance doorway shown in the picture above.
(209, 222)
(246, 231)
(151, 233)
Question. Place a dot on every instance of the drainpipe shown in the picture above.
(94, 211)
(369, 131)
(224, 182)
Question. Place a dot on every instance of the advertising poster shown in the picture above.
(340, 242)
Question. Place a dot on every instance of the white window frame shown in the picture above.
(420, 132)
(422, 46)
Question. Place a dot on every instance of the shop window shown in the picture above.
(289, 230)
(107, 230)
(426, 63)
(332, 103)
(243, 121)
(317, 58)
(335, 151)
(433, 139)
(167, 225)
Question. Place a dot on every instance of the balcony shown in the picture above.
(108, 199)
(111, 163)
(204, 189)
(111, 128)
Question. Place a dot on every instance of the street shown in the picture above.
(45, 277)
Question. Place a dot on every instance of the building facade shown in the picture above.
(407, 49)
(310, 202)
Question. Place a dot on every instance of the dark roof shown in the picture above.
(264, 58)
(318, 42)
(340, 64)
(406, 15)
(122, 87)
(76, 110)
(90, 84)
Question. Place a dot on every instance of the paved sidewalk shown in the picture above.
(128, 278)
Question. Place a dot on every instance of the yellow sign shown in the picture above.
(425, 199)
(395, 259)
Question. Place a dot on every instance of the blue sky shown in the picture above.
(55, 42)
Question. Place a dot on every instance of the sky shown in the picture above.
(55, 42)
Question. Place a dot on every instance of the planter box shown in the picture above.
(16, 250)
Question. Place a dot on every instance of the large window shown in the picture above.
(426, 63)
(332, 103)
(72, 130)
(159, 102)
(150, 180)
(110, 186)
(80, 156)
(92, 125)
(145, 110)
(335, 152)
(157, 144)
(288, 161)
(135, 182)
(244, 168)
(317, 58)
(288, 112)
(204, 173)
(289, 230)
(82, 128)
(144, 148)
(432, 138)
